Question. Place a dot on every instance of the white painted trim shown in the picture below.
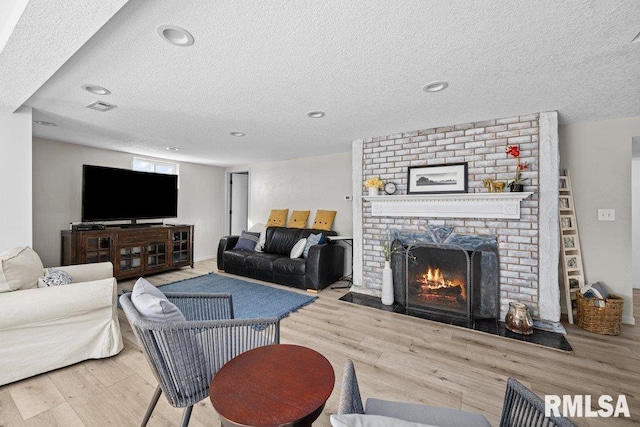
(463, 205)
(548, 227)
(357, 182)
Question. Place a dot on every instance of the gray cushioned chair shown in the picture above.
(185, 355)
(522, 408)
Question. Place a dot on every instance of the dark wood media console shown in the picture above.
(133, 251)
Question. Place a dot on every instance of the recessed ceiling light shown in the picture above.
(172, 149)
(175, 35)
(95, 89)
(315, 114)
(435, 86)
(238, 134)
(43, 123)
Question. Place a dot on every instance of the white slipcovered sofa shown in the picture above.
(47, 327)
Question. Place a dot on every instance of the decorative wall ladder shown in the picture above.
(570, 255)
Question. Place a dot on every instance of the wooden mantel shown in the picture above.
(452, 205)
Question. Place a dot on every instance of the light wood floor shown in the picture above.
(396, 358)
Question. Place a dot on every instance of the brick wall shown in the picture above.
(482, 145)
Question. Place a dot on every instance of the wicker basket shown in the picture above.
(601, 320)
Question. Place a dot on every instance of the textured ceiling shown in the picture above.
(258, 67)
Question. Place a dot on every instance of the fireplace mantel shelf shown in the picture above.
(452, 205)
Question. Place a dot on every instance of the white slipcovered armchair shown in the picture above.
(47, 327)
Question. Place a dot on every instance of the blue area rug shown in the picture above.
(250, 300)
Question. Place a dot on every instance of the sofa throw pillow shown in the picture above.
(56, 277)
(277, 217)
(262, 229)
(324, 220)
(313, 239)
(298, 249)
(598, 291)
(152, 304)
(20, 268)
(262, 241)
(298, 219)
(362, 420)
(247, 241)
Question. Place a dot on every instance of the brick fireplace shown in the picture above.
(527, 245)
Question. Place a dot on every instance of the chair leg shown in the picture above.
(185, 416)
(152, 405)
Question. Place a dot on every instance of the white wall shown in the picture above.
(635, 212)
(15, 173)
(310, 183)
(57, 195)
(598, 157)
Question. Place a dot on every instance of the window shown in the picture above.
(146, 165)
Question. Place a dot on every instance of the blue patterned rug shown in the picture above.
(249, 299)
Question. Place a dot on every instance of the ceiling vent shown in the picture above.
(101, 106)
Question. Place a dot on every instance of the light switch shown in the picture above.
(606, 214)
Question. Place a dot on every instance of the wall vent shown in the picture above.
(101, 106)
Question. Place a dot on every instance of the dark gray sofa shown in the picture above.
(322, 267)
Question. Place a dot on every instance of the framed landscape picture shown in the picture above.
(437, 179)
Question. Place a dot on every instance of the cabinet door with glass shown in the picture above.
(156, 256)
(129, 259)
(182, 246)
(96, 247)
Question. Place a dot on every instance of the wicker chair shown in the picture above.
(185, 355)
(522, 408)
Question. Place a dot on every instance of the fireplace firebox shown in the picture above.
(447, 280)
(438, 279)
(447, 276)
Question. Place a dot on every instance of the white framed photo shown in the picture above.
(565, 202)
(567, 222)
(572, 262)
(569, 242)
(564, 185)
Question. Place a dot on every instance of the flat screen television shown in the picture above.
(120, 194)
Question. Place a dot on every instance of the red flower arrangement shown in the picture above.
(514, 151)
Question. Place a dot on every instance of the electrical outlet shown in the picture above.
(606, 214)
(349, 198)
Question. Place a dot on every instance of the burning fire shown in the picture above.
(435, 277)
(433, 282)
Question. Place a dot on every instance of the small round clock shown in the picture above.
(389, 188)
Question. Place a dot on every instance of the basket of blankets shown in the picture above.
(598, 310)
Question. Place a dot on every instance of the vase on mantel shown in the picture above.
(373, 191)
(387, 284)
(516, 188)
